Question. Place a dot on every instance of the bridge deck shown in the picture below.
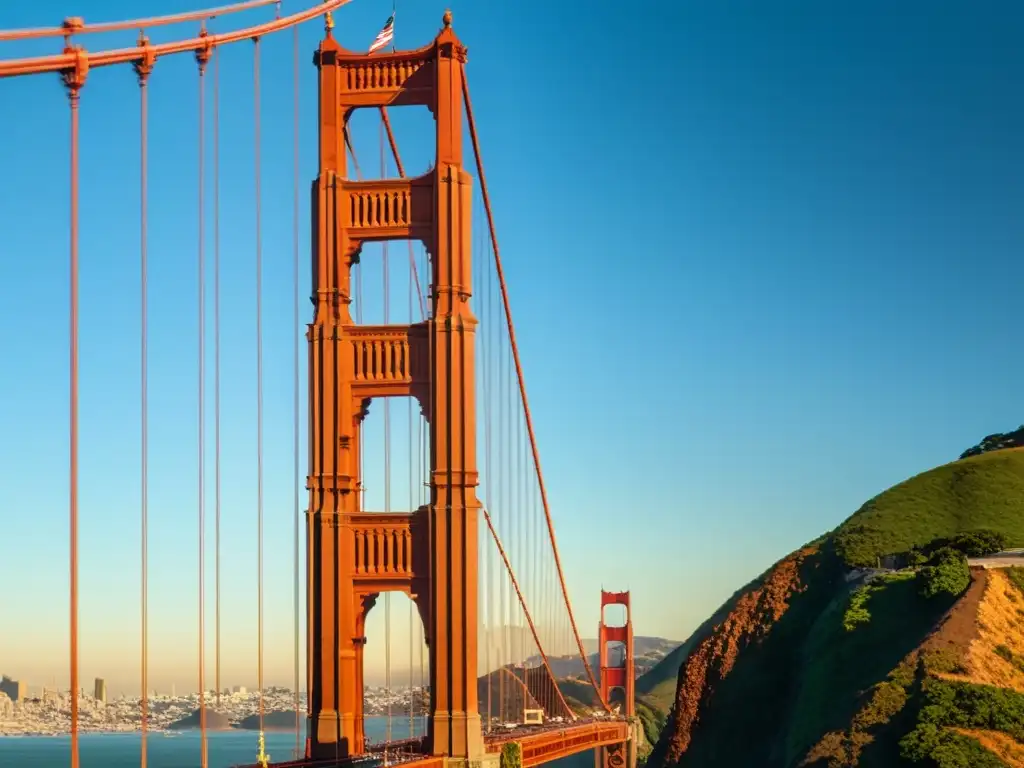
(547, 743)
(540, 744)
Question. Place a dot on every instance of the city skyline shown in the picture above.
(278, 667)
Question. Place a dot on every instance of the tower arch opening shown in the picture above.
(395, 670)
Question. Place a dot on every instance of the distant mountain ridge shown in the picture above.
(647, 653)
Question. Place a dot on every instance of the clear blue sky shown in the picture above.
(764, 259)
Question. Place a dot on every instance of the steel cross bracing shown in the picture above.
(513, 594)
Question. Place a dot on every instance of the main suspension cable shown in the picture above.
(522, 388)
(78, 27)
(68, 60)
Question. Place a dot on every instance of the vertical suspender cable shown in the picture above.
(486, 575)
(424, 451)
(74, 79)
(414, 281)
(519, 521)
(412, 507)
(401, 174)
(216, 364)
(202, 56)
(295, 374)
(502, 505)
(259, 378)
(432, 496)
(488, 354)
(387, 469)
(509, 518)
(142, 69)
(359, 321)
(522, 388)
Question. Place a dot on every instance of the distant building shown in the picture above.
(100, 690)
(16, 690)
(239, 689)
(6, 706)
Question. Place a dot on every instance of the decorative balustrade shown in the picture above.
(395, 208)
(383, 544)
(380, 208)
(380, 74)
(381, 354)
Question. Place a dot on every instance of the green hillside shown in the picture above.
(985, 491)
(809, 665)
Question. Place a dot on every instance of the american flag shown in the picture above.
(386, 34)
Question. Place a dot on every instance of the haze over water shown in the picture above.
(179, 750)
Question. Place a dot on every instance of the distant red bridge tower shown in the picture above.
(620, 677)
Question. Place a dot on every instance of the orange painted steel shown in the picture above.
(202, 59)
(74, 81)
(142, 71)
(76, 26)
(259, 377)
(76, 58)
(216, 365)
(296, 596)
(548, 744)
(439, 567)
(526, 611)
(622, 677)
(522, 384)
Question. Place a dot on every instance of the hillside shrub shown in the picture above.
(961, 705)
(652, 720)
(976, 543)
(931, 745)
(857, 612)
(511, 755)
(948, 574)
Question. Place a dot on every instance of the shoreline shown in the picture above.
(133, 731)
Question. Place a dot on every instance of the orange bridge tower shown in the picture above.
(430, 553)
(617, 677)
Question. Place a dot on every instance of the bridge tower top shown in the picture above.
(430, 76)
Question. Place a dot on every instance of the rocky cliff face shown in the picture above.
(934, 682)
(731, 675)
(755, 613)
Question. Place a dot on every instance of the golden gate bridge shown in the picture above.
(475, 551)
